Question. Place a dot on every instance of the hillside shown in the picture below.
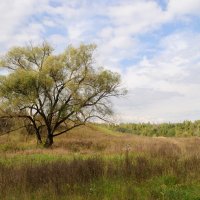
(93, 139)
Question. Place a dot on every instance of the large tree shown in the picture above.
(55, 92)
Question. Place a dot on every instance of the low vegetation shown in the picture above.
(96, 163)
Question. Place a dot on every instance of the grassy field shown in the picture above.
(95, 163)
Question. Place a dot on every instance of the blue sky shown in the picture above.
(154, 44)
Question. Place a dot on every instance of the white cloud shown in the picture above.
(188, 7)
(165, 86)
(162, 87)
(137, 17)
(16, 25)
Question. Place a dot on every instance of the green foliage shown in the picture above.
(185, 128)
(19, 87)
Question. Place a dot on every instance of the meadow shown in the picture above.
(93, 162)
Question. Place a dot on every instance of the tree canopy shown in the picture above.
(56, 92)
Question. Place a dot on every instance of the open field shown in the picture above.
(95, 163)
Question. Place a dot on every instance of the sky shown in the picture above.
(153, 44)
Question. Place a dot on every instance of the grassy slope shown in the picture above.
(89, 140)
(130, 167)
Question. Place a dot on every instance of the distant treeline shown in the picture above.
(186, 128)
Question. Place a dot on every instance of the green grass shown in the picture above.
(33, 158)
(105, 130)
(158, 188)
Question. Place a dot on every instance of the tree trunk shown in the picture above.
(39, 139)
(49, 141)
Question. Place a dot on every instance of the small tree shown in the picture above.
(56, 92)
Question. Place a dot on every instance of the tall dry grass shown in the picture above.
(90, 140)
(102, 156)
(59, 175)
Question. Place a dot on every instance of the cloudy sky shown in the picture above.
(154, 44)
